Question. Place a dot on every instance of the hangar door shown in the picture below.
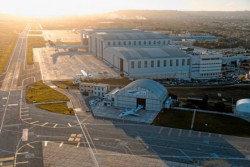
(121, 65)
(142, 102)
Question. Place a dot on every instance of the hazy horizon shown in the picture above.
(50, 8)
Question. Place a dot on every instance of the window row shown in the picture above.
(160, 63)
(134, 43)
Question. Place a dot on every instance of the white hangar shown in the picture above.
(98, 40)
(166, 62)
(148, 93)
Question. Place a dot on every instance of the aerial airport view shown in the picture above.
(125, 83)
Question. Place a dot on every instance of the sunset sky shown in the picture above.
(76, 7)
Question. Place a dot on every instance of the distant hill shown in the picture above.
(172, 14)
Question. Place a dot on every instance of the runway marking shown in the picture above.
(69, 125)
(189, 133)
(25, 115)
(4, 105)
(95, 139)
(23, 162)
(71, 139)
(44, 124)
(30, 146)
(26, 119)
(170, 131)
(34, 122)
(24, 111)
(79, 135)
(73, 135)
(7, 159)
(55, 126)
(25, 135)
(78, 144)
(12, 105)
(160, 130)
(5, 98)
(45, 143)
(180, 131)
(199, 134)
(61, 144)
(22, 153)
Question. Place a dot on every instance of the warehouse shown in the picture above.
(148, 93)
(166, 62)
(98, 40)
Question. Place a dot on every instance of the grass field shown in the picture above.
(57, 108)
(10, 27)
(64, 84)
(39, 92)
(214, 123)
(34, 42)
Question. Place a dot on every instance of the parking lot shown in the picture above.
(63, 65)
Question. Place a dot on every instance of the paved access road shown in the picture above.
(30, 137)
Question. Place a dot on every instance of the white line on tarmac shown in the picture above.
(25, 115)
(170, 131)
(23, 162)
(189, 133)
(69, 125)
(25, 135)
(30, 146)
(45, 143)
(61, 144)
(160, 130)
(34, 122)
(12, 105)
(44, 124)
(24, 111)
(22, 153)
(55, 126)
(180, 131)
(78, 144)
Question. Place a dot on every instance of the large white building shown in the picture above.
(98, 40)
(140, 54)
(148, 93)
(165, 62)
(205, 65)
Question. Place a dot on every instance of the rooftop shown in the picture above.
(154, 87)
(130, 35)
(147, 53)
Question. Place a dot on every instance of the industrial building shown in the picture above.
(205, 65)
(165, 62)
(148, 93)
(140, 54)
(98, 40)
(94, 89)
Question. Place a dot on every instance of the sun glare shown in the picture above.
(44, 8)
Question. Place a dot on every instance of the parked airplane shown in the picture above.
(132, 111)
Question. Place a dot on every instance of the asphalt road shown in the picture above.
(30, 137)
